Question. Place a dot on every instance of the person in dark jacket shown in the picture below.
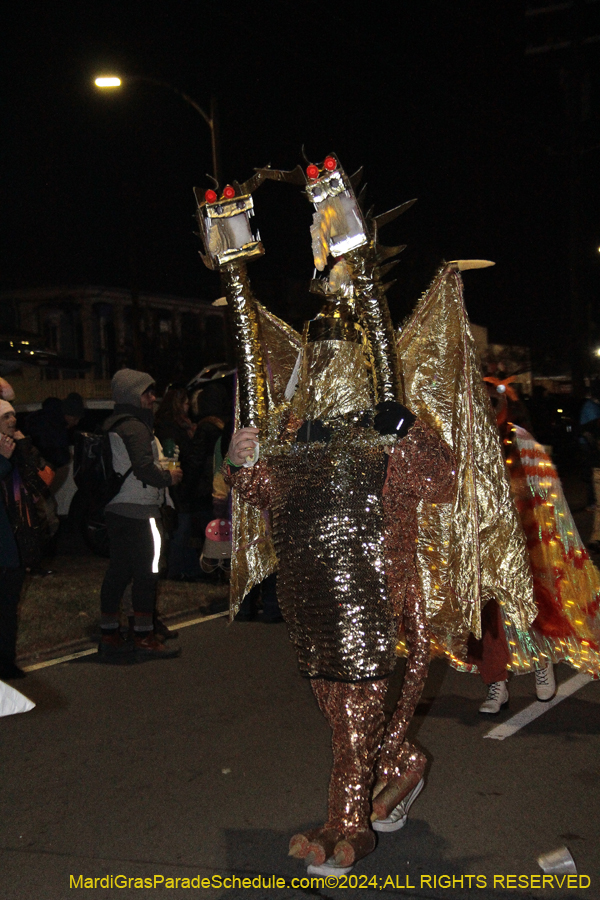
(11, 575)
(174, 429)
(193, 497)
(48, 430)
(132, 521)
(73, 409)
(23, 484)
(212, 413)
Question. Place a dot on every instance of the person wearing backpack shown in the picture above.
(132, 518)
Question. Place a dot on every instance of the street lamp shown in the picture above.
(107, 81)
(114, 81)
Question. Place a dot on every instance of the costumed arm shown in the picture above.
(251, 483)
(229, 242)
(427, 461)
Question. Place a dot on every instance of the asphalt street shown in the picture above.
(202, 767)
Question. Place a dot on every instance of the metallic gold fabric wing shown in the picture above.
(253, 556)
(566, 582)
(474, 548)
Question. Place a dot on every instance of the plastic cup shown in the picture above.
(557, 862)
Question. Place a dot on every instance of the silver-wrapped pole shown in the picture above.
(241, 307)
(374, 316)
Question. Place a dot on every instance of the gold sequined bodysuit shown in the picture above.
(344, 526)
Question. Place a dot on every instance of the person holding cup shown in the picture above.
(132, 519)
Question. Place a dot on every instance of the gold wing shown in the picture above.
(473, 548)
(253, 556)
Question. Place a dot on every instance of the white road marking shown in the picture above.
(80, 653)
(59, 659)
(201, 619)
(536, 709)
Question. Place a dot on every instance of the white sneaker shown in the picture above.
(398, 816)
(497, 698)
(545, 683)
(329, 870)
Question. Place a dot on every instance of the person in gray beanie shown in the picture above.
(132, 521)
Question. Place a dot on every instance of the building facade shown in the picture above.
(171, 337)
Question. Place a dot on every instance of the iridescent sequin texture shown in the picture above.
(329, 523)
(355, 714)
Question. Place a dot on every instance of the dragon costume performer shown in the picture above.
(353, 497)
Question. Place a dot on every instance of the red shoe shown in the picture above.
(150, 647)
(114, 648)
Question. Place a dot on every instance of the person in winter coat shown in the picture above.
(193, 497)
(132, 518)
(11, 574)
(48, 429)
(174, 428)
(24, 477)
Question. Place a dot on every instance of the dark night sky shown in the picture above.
(438, 101)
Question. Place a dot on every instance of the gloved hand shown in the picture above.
(393, 418)
(311, 431)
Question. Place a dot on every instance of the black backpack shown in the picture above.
(93, 470)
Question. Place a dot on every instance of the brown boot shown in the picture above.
(148, 646)
(113, 648)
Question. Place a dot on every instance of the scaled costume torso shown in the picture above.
(344, 528)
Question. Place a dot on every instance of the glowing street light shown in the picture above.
(109, 81)
(113, 81)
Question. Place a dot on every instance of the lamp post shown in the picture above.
(112, 81)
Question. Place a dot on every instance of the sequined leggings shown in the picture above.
(397, 755)
(355, 713)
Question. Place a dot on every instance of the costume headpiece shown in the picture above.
(340, 227)
(228, 239)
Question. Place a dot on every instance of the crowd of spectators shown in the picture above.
(168, 455)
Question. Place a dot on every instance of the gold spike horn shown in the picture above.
(462, 265)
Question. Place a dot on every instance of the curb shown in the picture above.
(91, 650)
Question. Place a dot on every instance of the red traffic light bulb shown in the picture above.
(210, 196)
